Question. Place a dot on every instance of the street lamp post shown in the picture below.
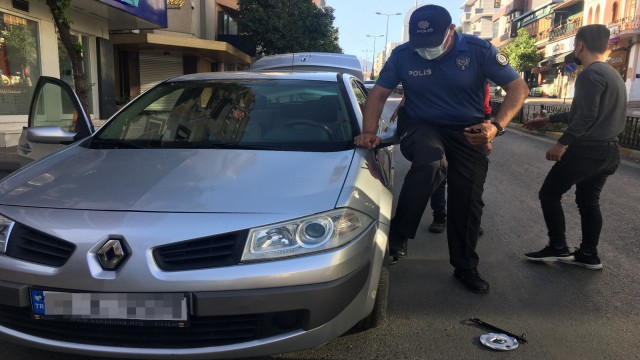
(373, 63)
(384, 54)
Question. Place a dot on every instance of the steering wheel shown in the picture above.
(310, 123)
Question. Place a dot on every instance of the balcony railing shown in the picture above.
(628, 24)
(559, 32)
(565, 30)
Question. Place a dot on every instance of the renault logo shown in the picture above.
(112, 254)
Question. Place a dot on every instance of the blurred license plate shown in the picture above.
(131, 309)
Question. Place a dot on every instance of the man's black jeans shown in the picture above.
(587, 166)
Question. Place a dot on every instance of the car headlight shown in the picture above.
(311, 234)
(5, 231)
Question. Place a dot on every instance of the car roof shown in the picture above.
(264, 75)
(311, 61)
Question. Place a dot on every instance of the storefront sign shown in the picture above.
(154, 11)
(559, 47)
(615, 34)
(534, 15)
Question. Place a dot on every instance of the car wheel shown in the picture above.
(379, 313)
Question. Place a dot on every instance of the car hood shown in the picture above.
(179, 180)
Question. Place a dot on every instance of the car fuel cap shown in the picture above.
(499, 341)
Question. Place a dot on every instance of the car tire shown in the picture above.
(379, 313)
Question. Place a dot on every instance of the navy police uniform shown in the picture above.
(442, 97)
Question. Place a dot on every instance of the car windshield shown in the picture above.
(260, 114)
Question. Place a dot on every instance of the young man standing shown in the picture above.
(587, 153)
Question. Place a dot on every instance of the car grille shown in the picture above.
(201, 332)
(31, 245)
(213, 251)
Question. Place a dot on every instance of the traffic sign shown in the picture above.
(570, 67)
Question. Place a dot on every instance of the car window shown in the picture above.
(360, 94)
(271, 114)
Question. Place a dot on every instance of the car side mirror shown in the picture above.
(50, 135)
(389, 136)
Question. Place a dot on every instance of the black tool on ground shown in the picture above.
(520, 338)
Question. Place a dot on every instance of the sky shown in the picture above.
(355, 19)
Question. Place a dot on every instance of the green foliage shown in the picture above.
(22, 45)
(522, 52)
(284, 26)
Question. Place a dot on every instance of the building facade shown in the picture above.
(127, 47)
(477, 18)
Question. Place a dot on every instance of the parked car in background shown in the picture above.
(217, 215)
(311, 61)
(369, 84)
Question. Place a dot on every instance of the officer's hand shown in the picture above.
(536, 123)
(556, 152)
(367, 141)
(488, 148)
(480, 134)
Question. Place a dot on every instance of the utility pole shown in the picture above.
(384, 54)
(373, 64)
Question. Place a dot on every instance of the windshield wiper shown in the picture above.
(113, 144)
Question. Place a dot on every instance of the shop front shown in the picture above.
(30, 47)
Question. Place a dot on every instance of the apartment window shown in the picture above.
(19, 63)
(226, 24)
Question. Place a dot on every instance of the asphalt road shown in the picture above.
(566, 312)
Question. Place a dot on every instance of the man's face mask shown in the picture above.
(573, 57)
(433, 53)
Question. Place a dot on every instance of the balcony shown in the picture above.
(565, 30)
(516, 5)
(628, 25)
(240, 42)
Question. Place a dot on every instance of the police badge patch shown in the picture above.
(463, 62)
(502, 59)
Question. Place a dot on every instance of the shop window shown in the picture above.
(66, 70)
(19, 63)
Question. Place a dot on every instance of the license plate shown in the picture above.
(130, 309)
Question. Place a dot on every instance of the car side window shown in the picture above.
(361, 95)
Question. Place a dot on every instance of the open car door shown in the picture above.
(56, 119)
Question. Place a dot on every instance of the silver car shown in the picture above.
(217, 215)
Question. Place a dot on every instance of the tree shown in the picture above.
(22, 48)
(285, 26)
(522, 52)
(73, 48)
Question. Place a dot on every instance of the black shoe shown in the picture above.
(549, 254)
(438, 225)
(397, 247)
(590, 261)
(480, 231)
(472, 280)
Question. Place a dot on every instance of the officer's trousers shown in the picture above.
(437, 153)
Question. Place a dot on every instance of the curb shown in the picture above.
(628, 154)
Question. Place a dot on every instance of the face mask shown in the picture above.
(433, 53)
(573, 58)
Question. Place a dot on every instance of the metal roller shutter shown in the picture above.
(154, 68)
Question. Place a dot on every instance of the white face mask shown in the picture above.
(433, 53)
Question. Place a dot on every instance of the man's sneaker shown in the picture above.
(472, 280)
(590, 261)
(438, 225)
(549, 254)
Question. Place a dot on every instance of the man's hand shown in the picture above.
(367, 141)
(536, 123)
(556, 152)
(488, 148)
(480, 134)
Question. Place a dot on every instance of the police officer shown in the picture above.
(441, 128)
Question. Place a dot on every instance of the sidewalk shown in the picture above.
(633, 109)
